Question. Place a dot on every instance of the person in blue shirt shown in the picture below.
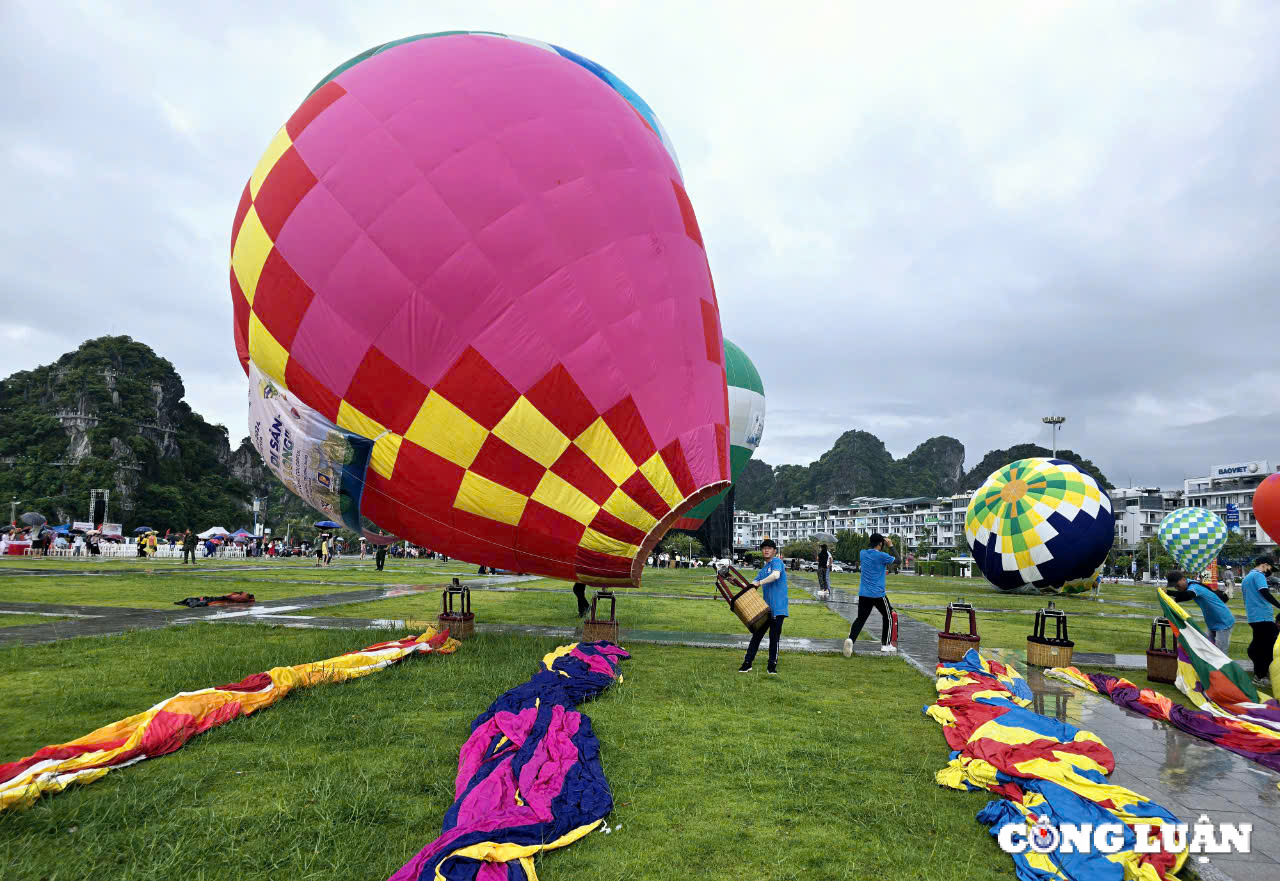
(772, 577)
(1218, 619)
(1258, 603)
(872, 561)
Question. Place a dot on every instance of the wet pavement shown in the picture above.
(114, 620)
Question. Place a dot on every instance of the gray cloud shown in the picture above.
(921, 221)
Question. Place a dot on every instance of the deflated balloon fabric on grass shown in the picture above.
(1232, 712)
(171, 723)
(529, 776)
(1041, 768)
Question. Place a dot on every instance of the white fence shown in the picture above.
(106, 549)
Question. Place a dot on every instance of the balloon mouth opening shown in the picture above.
(659, 531)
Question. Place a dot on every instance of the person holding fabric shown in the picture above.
(1218, 619)
(772, 578)
(1258, 603)
(873, 562)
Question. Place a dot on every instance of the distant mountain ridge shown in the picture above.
(858, 464)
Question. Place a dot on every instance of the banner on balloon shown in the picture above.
(315, 459)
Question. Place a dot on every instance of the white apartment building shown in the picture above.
(1232, 484)
(936, 520)
(1138, 511)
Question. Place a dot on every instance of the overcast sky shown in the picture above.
(922, 219)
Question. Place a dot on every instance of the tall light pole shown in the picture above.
(1054, 422)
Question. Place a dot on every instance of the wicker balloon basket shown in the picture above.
(596, 630)
(1045, 650)
(1162, 661)
(743, 597)
(460, 621)
(951, 645)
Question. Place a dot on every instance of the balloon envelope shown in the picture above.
(1266, 506)
(1193, 537)
(746, 425)
(473, 301)
(1039, 523)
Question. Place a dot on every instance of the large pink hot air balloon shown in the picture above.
(474, 304)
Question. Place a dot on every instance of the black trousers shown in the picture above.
(865, 605)
(1262, 646)
(580, 591)
(774, 629)
(380, 558)
(189, 552)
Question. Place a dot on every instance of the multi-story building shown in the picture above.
(940, 522)
(1232, 485)
(936, 521)
(1138, 511)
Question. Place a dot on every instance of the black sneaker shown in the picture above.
(745, 668)
(773, 671)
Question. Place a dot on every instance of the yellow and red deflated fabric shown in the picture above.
(171, 723)
(1042, 769)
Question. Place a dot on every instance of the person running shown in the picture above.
(580, 591)
(871, 594)
(772, 577)
(824, 570)
(1218, 619)
(1258, 603)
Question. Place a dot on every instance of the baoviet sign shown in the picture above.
(1241, 469)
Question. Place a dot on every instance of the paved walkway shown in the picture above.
(114, 620)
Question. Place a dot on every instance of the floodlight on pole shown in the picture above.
(1054, 423)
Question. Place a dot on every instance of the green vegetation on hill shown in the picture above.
(110, 415)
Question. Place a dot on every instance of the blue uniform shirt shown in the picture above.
(775, 592)
(872, 563)
(1255, 607)
(1216, 614)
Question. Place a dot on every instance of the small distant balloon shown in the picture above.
(1193, 537)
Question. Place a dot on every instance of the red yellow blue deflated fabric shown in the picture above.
(171, 723)
(1040, 767)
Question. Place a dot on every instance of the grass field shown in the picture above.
(27, 620)
(823, 772)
